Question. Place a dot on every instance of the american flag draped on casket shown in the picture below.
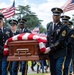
(26, 36)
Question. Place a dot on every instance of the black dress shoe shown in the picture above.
(38, 71)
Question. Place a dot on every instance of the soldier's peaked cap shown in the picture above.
(70, 23)
(13, 21)
(64, 17)
(22, 20)
(57, 11)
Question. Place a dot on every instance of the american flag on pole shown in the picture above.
(8, 12)
(35, 30)
(69, 5)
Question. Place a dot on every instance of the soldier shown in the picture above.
(1, 42)
(65, 19)
(23, 29)
(68, 54)
(13, 25)
(56, 46)
(70, 46)
(13, 65)
(70, 26)
(4, 35)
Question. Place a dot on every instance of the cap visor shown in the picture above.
(56, 14)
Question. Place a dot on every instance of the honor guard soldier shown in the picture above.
(56, 46)
(23, 29)
(70, 47)
(13, 65)
(13, 25)
(65, 19)
(4, 35)
(67, 62)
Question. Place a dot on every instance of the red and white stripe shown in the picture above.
(68, 6)
(1, 10)
(26, 36)
(8, 12)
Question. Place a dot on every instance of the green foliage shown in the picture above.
(32, 21)
(42, 29)
(6, 24)
(31, 17)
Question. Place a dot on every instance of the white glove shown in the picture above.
(47, 50)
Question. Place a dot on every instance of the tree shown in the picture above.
(23, 10)
(32, 21)
(42, 29)
(31, 17)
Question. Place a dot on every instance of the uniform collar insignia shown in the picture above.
(7, 32)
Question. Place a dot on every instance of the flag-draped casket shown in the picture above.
(25, 47)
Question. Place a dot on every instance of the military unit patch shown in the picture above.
(64, 33)
(72, 35)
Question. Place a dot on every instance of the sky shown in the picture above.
(42, 8)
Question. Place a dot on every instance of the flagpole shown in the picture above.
(14, 7)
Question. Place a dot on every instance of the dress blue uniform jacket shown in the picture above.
(56, 40)
(4, 35)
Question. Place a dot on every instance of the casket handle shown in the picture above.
(23, 50)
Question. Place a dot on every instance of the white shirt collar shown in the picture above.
(2, 28)
(14, 31)
(55, 23)
(22, 29)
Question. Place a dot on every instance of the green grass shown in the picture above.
(36, 74)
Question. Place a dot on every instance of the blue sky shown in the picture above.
(37, 1)
(42, 8)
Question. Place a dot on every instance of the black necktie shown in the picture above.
(21, 30)
(53, 27)
(0, 30)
